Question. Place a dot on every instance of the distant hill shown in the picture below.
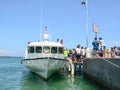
(9, 56)
(5, 56)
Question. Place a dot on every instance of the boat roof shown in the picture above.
(45, 43)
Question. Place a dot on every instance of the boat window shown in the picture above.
(54, 50)
(38, 49)
(60, 50)
(46, 49)
(31, 49)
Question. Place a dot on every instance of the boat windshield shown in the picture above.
(38, 49)
(46, 49)
(31, 49)
(53, 50)
(60, 50)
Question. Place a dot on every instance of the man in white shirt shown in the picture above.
(102, 44)
(78, 53)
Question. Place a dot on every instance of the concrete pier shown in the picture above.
(106, 71)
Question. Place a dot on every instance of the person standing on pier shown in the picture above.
(83, 53)
(78, 53)
(95, 44)
(102, 44)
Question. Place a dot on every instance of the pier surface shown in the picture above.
(103, 70)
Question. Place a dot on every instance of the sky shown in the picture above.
(22, 21)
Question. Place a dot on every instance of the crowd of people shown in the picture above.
(76, 54)
(99, 48)
(79, 53)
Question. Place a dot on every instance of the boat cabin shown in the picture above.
(41, 49)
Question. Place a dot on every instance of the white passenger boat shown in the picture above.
(44, 58)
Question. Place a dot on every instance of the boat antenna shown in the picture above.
(41, 26)
(50, 35)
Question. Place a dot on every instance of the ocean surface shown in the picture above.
(14, 76)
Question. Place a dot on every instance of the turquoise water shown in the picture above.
(14, 76)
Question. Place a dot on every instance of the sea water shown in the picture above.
(15, 76)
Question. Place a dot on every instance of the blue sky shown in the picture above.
(20, 22)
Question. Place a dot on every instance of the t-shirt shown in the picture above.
(78, 50)
(95, 44)
(102, 43)
(66, 53)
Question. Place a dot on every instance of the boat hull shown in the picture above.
(44, 67)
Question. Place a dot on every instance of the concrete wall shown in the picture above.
(106, 72)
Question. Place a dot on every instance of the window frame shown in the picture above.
(31, 51)
(46, 52)
(60, 51)
(39, 49)
(55, 50)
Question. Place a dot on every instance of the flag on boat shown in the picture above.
(61, 41)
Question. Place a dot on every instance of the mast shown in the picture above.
(41, 26)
